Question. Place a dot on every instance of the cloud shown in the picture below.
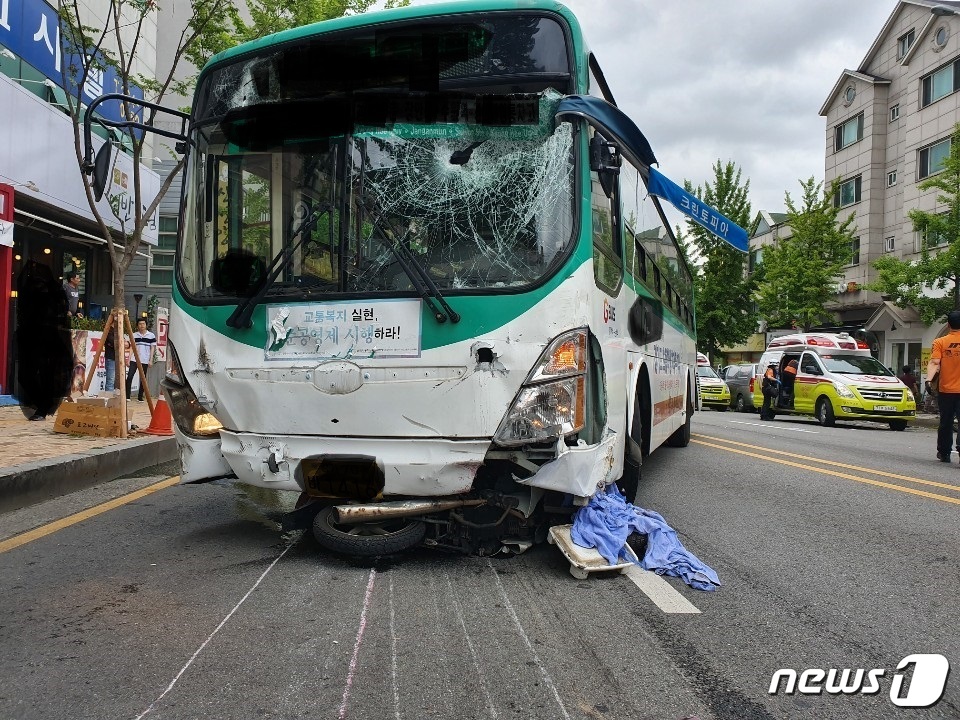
(739, 80)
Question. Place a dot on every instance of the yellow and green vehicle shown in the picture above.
(837, 379)
(714, 392)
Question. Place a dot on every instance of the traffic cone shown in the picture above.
(161, 422)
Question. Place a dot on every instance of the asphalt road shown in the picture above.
(837, 548)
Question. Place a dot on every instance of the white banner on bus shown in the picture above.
(341, 330)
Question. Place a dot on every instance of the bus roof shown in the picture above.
(818, 340)
(409, 12)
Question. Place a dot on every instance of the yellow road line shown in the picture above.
(44, 530)
(907, 478)
(889, 486)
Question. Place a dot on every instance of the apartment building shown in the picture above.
(888, 126)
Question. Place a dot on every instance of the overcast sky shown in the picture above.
(739, 80)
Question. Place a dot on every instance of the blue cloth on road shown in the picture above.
(608, 520)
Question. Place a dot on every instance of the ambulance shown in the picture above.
(714, 392)
(837, 379)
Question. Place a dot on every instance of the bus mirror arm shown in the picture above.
(241, 317)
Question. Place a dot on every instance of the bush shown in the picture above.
(84, 323)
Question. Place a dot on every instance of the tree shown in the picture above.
(725, 314)
(931, 283)
(212, 26)
(801, 272)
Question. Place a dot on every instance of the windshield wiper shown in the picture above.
(241, 317)
(418, 275)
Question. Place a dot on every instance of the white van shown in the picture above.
(837, 379)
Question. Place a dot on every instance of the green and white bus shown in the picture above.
(421, 279)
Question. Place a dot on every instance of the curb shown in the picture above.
(33, 482)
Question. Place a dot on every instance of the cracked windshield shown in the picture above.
(473, 189)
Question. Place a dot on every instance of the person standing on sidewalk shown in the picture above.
(145, 341)
(945, 359)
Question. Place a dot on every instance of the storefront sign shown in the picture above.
(32, 30)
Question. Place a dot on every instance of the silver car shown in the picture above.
(738, 379)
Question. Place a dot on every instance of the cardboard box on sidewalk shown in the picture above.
(88, 419)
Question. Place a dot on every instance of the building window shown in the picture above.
(940, 83)
(888, 244)
(927, 239)
(904, 43)
(891, 178)
(895, 113)
(932, 158)
(848, 193)
(161, 258)
(850, 132)
(855, 251)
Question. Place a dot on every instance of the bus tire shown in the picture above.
(898, 425)
(681, 436)
(825, 414)
(367, 539)
(629, 482)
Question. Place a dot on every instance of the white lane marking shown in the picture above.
(536, 658)
(662, 593)
(473, 652)
(778, 427)
(356, 644)
(211, 635)
(393, 657)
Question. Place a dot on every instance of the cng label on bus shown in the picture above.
(361, 329)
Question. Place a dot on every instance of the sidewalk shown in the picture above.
(37, 463)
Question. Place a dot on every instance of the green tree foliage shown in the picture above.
(725, 314)
(801, 272)
(937, 271)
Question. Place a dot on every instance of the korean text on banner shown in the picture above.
(698, 211)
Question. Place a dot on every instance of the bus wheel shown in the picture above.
(825, 414)
(629, 482)
(681, 436)
(898, 425)
(367, 539)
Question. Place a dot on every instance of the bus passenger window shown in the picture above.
(656, 280)
(640, 260)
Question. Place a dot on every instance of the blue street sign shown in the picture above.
(698, 211)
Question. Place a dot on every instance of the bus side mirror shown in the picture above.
(605, 161)
(101, 170)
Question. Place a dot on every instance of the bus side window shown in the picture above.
(640, 260)
(607, 250)
(656, 280)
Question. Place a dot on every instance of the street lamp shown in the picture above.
(137, 298)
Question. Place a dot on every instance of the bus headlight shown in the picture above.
(191, 417)
(546, 410)
(542, 412)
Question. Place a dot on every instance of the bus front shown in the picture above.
(380, 285)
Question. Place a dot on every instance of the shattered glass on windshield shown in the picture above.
(496, 215)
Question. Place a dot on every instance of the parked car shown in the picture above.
(738, 378)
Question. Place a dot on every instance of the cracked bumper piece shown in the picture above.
(579, 470)
(420, 468)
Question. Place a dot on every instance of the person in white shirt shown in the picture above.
(145, 342)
